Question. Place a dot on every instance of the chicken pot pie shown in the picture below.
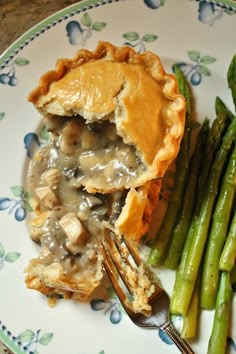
(116, 120)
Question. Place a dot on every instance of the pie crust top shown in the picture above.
(130, 90)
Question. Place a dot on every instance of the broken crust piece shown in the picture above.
(135, 217)
(131, 90)
(52, 279)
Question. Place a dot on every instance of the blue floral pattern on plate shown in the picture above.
(31, 340)
(138, 42)
(79, 32)
(8, 256)
(32, 141)
(28, 341)
(210, 12)
(198, 69)
(111, 306)
(19, 205)
(81, 25)
(8, 74)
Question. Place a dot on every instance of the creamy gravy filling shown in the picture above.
(55, 179)
(98, 153)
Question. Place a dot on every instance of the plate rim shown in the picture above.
(47, 23)
(25, 39)
(70, 11)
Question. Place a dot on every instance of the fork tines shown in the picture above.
(127, 273)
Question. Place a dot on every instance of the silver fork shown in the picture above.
(119, 255)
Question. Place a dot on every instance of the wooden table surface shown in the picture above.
(16, 17)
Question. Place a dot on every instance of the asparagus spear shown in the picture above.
(190, 321)
(220, 108)
(218, 338)
(228, 255)
(182, 164)
(187, 275)
(177, 296)
(231, 78)
(218, 128)
(217, 235)
(181, 228)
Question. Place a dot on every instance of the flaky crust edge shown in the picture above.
(175, 113)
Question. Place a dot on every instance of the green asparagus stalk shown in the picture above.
(190, 321)
(218, 128)
(182, 165)
(218, 338)
(177, 296)
(180, 230)
(217, 235)
(221, 108)
(187, 275)
(231, 78)
(228, 255)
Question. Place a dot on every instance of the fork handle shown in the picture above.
(183, 346)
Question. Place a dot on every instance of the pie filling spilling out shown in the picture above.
(115, 120)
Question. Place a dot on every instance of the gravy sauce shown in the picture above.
(77, 151)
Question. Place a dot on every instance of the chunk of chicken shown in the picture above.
(52, 177)
(70, 137)
(75, 232)
(47, 197)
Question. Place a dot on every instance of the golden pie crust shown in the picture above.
(131, 90)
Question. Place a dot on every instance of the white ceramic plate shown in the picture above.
(199, 34)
